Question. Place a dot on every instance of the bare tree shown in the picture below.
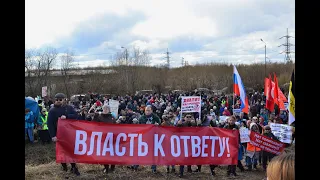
(29, 71)
(67, 64)
(38, 66)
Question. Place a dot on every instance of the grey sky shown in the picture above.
(201, 31)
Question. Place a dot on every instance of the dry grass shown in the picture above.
(40, 164)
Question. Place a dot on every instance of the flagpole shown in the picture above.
(233, 92)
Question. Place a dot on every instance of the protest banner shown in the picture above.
(44, 91)
(282, 131)
(191, 104)
(244, 135)
(114, 105)
(127, 144)
(265, 143)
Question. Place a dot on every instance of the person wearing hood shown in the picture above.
(29, 124)
(61, 111)
(253, 152)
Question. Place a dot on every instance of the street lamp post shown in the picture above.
(265, 58)
(126, 68)
(125, 51)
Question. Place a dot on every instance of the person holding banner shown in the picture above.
(106, 117)
(185, 122)
(61, 110)
(149, 118)
(267, 156)
(231, 125)
(253, 152)
(166, 122)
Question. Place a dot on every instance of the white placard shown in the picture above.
(44, 91)
(244, 135)
(114, 106)
(191, 104)
(282, 131)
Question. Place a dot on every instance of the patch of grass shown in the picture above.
(40, 165)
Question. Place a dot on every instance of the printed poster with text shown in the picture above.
(282, 131)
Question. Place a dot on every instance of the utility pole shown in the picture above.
(168, 59)
(182, 61)
(287, 47)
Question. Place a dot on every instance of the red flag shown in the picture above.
(275, 90)
(281, 95)
(277, 99)
(269, 99)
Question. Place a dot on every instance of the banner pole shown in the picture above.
(233, 93)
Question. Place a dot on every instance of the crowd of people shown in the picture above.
(164, 110)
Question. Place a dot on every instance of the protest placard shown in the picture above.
(114, 106)
(191, 104)
(236, 112)
(244, 135)
(282, 131)
(265, 143)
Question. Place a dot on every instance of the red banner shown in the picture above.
(266, 144)
(129, 144)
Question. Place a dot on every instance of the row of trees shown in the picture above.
(39, 65)
(130, 71)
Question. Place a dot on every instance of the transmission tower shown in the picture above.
(287, 47)
(182, 61)
(168, 58)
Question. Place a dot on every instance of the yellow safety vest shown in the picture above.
(44, 122)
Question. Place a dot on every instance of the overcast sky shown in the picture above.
(200, 31)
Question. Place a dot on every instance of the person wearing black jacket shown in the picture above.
(186, 122)
(106, 117)
(231, 125)
(267, 156)
(61, 110)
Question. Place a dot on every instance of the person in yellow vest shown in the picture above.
(43, 127)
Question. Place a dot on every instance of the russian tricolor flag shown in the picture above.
(238, 89)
